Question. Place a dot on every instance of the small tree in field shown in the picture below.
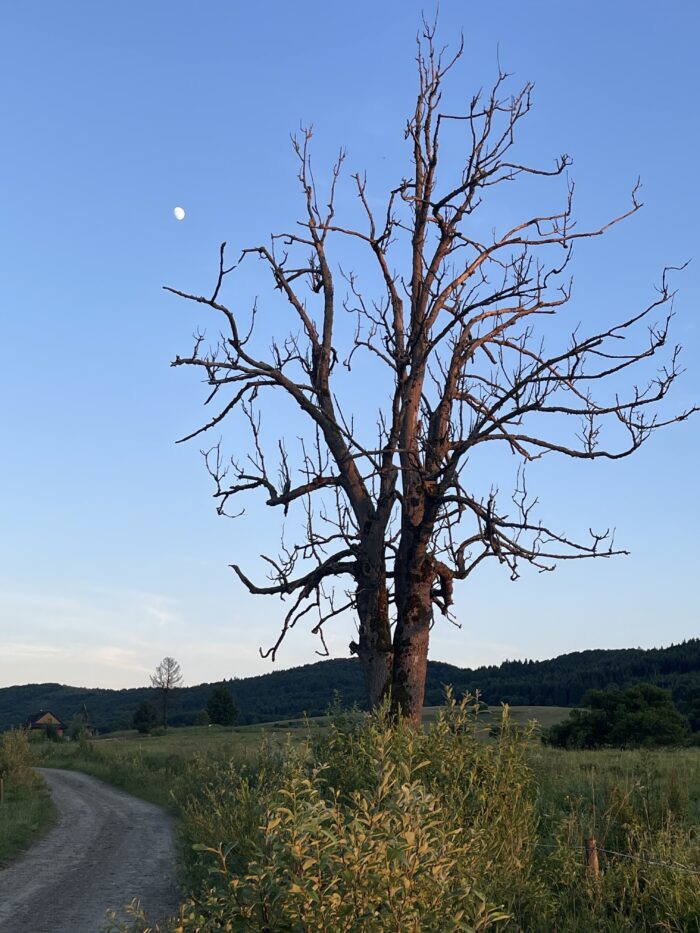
(458, 324)
(221, 707)
(145, 718)
(79, 727)
(166, 679)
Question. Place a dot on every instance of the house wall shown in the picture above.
(48, 719)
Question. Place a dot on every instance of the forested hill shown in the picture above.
(289, 693)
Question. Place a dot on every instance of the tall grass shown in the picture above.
(368, 825)
(152, 768)
(26, 811)
(642, 809)
(130, 769)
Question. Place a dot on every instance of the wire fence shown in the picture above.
(675, 866)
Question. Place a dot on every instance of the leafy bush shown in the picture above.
(382, 828)
(51, 732)
(145, 717)
(641, 715)
(26, 809)
(220, 707)
(16, 758)
(78, 729)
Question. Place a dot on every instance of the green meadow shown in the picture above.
(26, 810)
(151, 765)
(350, 823)
(26, 814)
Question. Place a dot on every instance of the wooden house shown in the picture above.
(42, 720)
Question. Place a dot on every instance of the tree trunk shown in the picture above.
(374, 650)
(414, 616)
(377, 669)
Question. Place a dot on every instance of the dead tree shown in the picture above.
(166, 679)
(459, 327)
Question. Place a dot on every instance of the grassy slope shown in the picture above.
(150, 766)
(242, 742)
(545, 716)
(26, 814)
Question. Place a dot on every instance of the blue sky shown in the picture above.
(111, 554)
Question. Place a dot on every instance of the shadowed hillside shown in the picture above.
(282, 694)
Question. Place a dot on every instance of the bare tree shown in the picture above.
(166, 678)
(460, 326)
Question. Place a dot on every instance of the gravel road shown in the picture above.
(107, 848)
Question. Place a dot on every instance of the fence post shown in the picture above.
(591, 847)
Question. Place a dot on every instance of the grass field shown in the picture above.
(243, 741)
(544, 716)
(151, 766)
(534, 804)
(187, 741)
(667, 780)
(25, 815)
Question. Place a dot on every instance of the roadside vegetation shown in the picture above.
(348, 823)
(151, 765)
(157, 766)
(26, 810)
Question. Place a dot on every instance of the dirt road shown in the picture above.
(107, 848)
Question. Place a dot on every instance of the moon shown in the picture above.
(179, 213)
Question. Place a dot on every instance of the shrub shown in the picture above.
(641, 715)
(382, 828)
(16, 758)
(145, 717)
(221, 708)
(78, 729)
(51, 732)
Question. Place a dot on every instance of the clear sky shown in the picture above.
(111, 554)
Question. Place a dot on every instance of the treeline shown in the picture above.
(563, 681)
(287, 694)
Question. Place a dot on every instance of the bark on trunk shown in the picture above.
(377, 668)
(374, 649)
(410, 669)
(411, 637)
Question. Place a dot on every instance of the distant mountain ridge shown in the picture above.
(285, 694)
